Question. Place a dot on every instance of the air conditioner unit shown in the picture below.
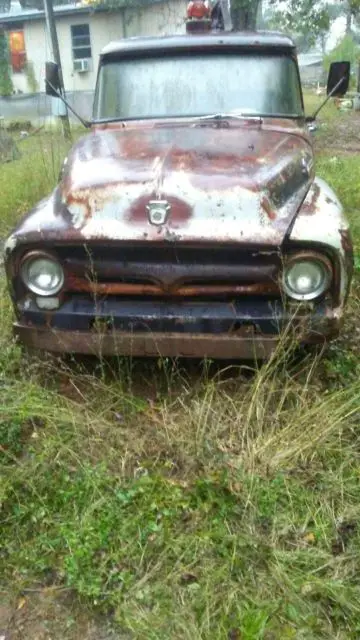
(83, 65)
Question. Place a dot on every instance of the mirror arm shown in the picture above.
(311, 118)
(85, 123)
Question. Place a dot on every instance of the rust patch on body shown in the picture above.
(347, 245)
(346, 241)
(142, 289)
(309, 207)
(315, 196)
(179, 213)
(330, 201)
(189, 345)
(212, 181)
(266, 205)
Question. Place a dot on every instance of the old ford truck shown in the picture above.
(189, 221)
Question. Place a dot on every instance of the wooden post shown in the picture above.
(51, 27)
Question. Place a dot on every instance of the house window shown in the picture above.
(17, 50)
(80, 39)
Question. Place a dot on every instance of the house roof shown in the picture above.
(77, 7)
(26, 15)
(213, 40)
(309, 59)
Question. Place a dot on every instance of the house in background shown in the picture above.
(311, 67)
(82, 33)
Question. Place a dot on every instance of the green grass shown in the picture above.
(313, 102)
(179, 501)
(24, 182)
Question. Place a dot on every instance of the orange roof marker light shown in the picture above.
(198, 16)
(198, 9)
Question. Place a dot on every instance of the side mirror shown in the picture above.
(339, 74)
(52, 78)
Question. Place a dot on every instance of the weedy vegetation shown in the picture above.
(180, 500)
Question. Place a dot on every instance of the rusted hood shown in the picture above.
(244, 183)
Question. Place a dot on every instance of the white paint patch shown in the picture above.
(324, 225)
(10, 244)
(78, 214)
(44, 216)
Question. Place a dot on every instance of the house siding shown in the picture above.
(312, 74)
(157, 19)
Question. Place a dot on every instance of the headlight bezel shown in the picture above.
(25, 263)
(313, 258)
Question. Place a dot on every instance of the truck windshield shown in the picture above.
(197, 85)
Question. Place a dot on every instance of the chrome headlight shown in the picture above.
(306, 278)
(42, 274)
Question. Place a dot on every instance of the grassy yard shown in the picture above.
(155, 500)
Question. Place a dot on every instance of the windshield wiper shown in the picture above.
(228, 116)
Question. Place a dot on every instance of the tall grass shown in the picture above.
(27, 180)
(186, 507)
(181, 500)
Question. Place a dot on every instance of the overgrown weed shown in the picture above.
(184, 500)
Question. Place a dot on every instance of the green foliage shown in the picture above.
(244, 14)
(10, 439)
(32, 83)
(8, 149)
(306, 18)
(309, 21)
(23, 183)
(353, 6)
(226, 551)
(6, 86)
(346, 49)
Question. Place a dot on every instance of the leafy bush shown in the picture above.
(346, 49)
(6, 86)
(32, 83)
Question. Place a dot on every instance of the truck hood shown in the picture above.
(243, 183)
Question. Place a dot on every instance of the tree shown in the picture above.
(6, 87)
(244, 14)
(346, 49)
(309, 21)
(352, 12)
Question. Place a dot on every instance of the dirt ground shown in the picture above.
(41, 616)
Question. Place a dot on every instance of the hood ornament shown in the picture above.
(158, 211)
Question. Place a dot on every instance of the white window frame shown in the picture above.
(74, 46)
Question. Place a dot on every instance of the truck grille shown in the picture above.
(164, 271)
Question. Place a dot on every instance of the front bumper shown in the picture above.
(249, 329)
(149, 344)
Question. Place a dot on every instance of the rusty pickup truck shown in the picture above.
(189, 221)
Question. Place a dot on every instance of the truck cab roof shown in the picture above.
(258, 40)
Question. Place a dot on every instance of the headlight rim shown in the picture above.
(307, 257)
(29, 257)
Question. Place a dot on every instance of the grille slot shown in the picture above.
(171, 271)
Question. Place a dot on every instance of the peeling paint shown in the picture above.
(111, 176)
(327, 217)
(328, 226)
(10, 244)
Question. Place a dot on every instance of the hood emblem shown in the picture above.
(158, 211)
